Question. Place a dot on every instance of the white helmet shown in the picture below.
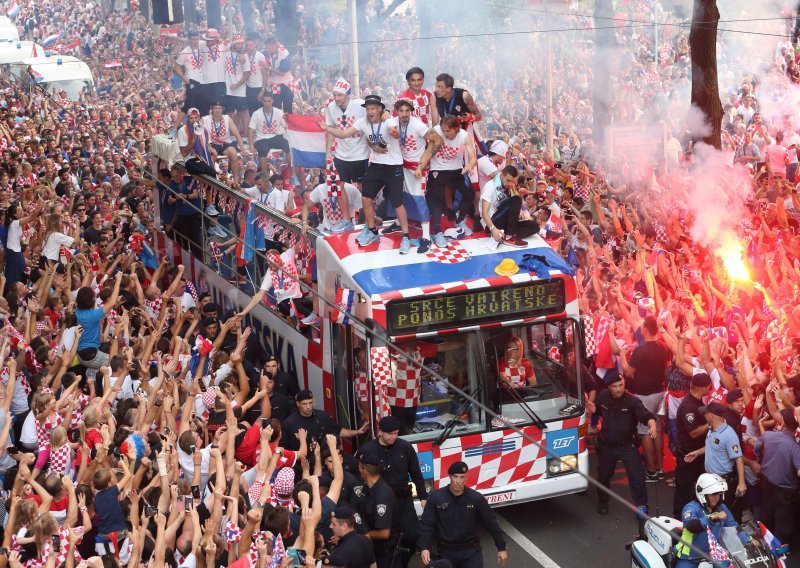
(708, 484)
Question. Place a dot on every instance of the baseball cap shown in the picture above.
(369, 459)
(713, 408)
(341, 86)
(499, 147)
(343, 511)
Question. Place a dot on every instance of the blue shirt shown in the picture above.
(90, 320)
(106, 504)
(167, 211)
(779, 455)
(722, 450)
(187, 206)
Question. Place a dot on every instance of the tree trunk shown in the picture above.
(604, 43)
(705, 87)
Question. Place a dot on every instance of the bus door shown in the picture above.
(348, 351)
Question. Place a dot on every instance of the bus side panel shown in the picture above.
(293, 350)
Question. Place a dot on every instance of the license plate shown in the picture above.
(496, 498)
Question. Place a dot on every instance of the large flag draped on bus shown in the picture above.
(307, 141)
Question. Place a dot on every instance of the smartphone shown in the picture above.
(264, 423)
(149, 510)
(196, 491)
(187, 504)
(297, 555)
(56, 543)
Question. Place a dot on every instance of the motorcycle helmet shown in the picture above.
(708, 484)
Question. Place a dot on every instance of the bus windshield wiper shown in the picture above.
(453, 422)
(535, 419)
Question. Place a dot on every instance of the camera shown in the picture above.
(198, 128)
(381, 144)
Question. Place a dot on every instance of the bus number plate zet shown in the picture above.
(476, 306)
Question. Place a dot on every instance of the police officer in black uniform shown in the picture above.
(352, 549)
(377, 516)
(618, 440)
(399, 462)
(692, 430)
(451, 517)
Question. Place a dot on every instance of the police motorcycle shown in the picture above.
(747, 545)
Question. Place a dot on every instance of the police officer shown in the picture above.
(692, 429)
(779, 453)
(621, 412)
(399, 463)
(723, 456)
(376, 506)
(451, 517)
(352, 549)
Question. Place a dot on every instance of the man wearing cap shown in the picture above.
(385, 172)
(316, 422)
(189, 67)
(491, 164)
(350, 155)
(213, 69)
(779, 454)
(378, 517)
(237, 72)
(692, 430)
(621, 412)
(352, 549)
(225, 137)
(723, 456)
(418, 143)
(500, 208)
(400, 463)
(451, 516)
(266, 131)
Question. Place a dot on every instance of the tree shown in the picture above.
(705, 84)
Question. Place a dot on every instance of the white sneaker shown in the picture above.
(439, 240)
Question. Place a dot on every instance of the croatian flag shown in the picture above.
(51, 39)
(307, 141)
(168, 32)
(344, 305)
(778, 550)
(13, 9)
(38, 77)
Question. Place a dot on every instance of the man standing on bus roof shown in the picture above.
(455, 101)
(451, 515)
(420, 98)
(617, 441)
(385, 172)
(400, 463)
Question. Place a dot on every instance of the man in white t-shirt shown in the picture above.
(213, 69)
(418, 143)
(448, 168)
(194, 142)
(266, 131)
(280, 74)
(282, 281)
(237, 73)
(258, 78)
(500, 207)
(385, 172)
(492, 163)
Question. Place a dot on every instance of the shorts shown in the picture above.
(264, 145)
(351, 172)
(253, 104)
(651, 402)
(384, 177)
(220, 148)
(210, 93)
(191, 97)
(234, 103)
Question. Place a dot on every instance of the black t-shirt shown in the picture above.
(282, 407)
(650, 361)
(689, 418)
(91, 235)
(286, 383)
(317, 425)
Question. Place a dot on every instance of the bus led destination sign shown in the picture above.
(475, 306)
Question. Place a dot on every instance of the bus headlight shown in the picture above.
(560, 466)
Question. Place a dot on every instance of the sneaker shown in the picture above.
(363, 234)
(342, 226)
(423, 246)
(311, 319)
(513, 241)
(212, 211)
(393, 228)
(660, 474)
(217, 231)
(463, 226)
(368, 240)
(651, 477)
(439, 240)
(405, 245)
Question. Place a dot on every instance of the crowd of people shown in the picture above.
(141, 425)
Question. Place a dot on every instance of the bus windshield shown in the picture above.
(526, 374)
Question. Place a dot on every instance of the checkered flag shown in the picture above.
(717, 553)
(332, 179)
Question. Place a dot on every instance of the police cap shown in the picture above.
(369, 459)
(389, 424)
(701, 380)
(343, 511)
(457, 467)
(713, 408)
